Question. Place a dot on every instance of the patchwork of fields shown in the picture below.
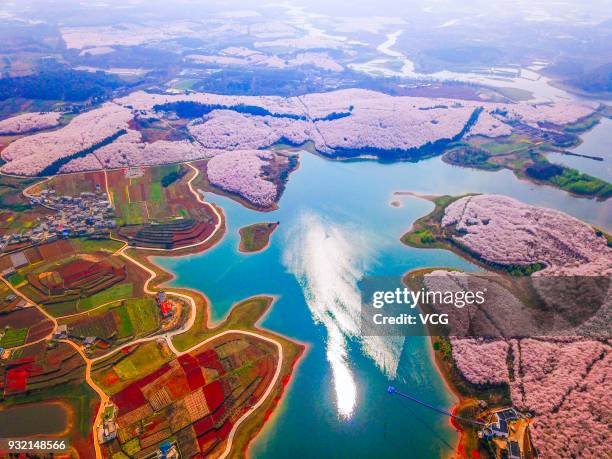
(194, 399)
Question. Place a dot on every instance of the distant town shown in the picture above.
(82, 215)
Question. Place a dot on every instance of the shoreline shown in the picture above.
(271, 415)
(444, 367)
(163, 277)
(201, 165)
(199, 321)
(241, 245)
(203, 305)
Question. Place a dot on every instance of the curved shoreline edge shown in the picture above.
(249, 232)
(200, 321)
(419, 236)
(445, 369)
(498, 390)
(197, 331)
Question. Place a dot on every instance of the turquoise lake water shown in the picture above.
(337, 224)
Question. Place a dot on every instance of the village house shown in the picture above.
(107, 430)
(506, 431)
(166, 307)
(61, 332)
(86, 214)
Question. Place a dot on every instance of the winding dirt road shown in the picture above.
(104, 399)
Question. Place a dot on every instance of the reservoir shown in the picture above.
(35, 419)
(337, 225)
(596, 142)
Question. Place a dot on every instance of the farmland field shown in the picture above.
(96, 245)
(156, 209)
(22, 326)
(75, 184)
(155, 192)
(116, 292)
(16, 279)
(137, 316)
(16, 212)
(98, 325)
(87, 277)
(119, 320)
(144, 359)
(13, 337)
(8, 301)
(144, 198)
(143, 314)
(131, 213)
(197, 396)
(512, 144)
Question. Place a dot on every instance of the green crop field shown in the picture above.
(61, 309)
(137, 316)
(155, 191)
(96, 245)
(143, 360)
(143, 314)
(116, 292)
(158, 173)
(186, 83)
(124, 324)
(132, 213)
(132, 447)
(16, 279)
(514, 145)
(13, 337)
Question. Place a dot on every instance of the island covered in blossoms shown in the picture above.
(514, 364)
(236, 133)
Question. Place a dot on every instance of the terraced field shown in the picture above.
(70, 279)
(153, 206)
(168, 235)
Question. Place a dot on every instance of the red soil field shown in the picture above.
(210, 359)
(178, 387)
(201, 426)
(16, 378)
(214, 395)
(194, 375)
(129, 398)
(39, 330)
(39, 364)
(60, 248)
(73, 184)
(111, 378)
(22, 318)
(77, 271)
